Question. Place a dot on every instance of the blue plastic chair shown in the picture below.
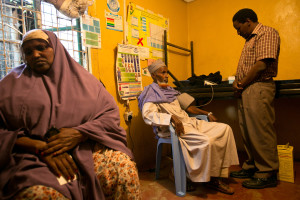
(178, 160)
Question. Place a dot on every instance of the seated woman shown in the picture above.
(60, 131)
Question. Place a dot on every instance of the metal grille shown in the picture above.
(19, 16)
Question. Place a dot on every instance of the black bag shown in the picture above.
(199, 80)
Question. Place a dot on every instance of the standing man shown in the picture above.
(255, 87)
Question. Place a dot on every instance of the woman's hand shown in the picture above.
(30, 145)
(65, 140)
(62, 164)
(179, 129)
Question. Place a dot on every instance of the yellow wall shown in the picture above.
(217, 45)
(140, 136)
(217, 48)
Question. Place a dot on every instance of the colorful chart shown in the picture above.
(113, 22)
(128, 71)
(90, 27)
(146, 29)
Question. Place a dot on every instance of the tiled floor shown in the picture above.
(164, 189)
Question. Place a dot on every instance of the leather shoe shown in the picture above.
(260, 183)
(243, 173)
(218, 184)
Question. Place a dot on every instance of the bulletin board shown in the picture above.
(128, 71)
(146, 29)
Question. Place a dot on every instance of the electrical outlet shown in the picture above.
(128, 116)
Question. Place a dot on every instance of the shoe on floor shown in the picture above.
(190, 187)
(243, 173)
(218, 184)
(260, 183)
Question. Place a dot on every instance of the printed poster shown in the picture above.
(128, 71)
(91, 34)
(113, 22)
(146, 29)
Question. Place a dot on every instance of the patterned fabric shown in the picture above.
(263, 43)
(118, 176)
(39, 192)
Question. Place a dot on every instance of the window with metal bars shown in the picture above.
(19, 16)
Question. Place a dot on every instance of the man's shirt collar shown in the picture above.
(255, 31)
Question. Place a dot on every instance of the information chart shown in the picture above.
(128, 71)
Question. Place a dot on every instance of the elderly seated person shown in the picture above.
(208, 147)
(60, 130)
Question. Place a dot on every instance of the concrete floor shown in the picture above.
(165, 189)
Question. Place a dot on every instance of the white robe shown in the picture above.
(208, 147)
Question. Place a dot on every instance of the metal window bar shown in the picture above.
(19, 16)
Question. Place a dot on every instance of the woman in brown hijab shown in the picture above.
(60, 130)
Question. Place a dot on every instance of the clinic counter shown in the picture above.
(284, 88)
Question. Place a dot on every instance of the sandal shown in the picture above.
(190, 187)
(216, 183)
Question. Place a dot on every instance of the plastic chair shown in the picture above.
(178, 160)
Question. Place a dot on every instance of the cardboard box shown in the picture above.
(286, 163)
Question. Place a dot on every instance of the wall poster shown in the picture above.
(146, 29)
(113, 22)
(128, 71)
(91, 34)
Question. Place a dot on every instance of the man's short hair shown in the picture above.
(242, 15)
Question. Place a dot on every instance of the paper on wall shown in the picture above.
(144, 53)
(157, 54)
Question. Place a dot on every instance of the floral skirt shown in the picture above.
(116, 172)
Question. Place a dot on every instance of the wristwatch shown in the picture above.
(210, 113)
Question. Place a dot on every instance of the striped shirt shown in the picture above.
(263, 43)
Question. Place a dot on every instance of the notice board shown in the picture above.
(146, 29)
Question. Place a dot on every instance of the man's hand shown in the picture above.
(62, 164)
(237, 85)
(179, 129)
(65, 140)
(255, 71)
(196, 111)
(212, 118)
(238, 89)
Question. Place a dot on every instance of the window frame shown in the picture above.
(21, 15)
